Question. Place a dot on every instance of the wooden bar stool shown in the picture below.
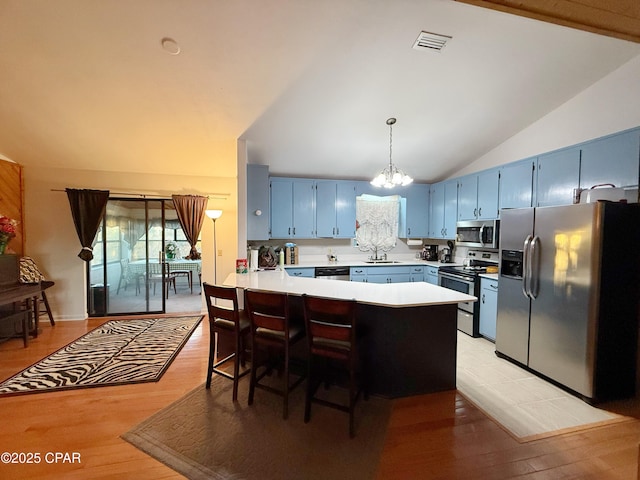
(333, 342)
(230, 322)
(272, 335)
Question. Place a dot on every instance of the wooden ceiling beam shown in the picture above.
(613, 18)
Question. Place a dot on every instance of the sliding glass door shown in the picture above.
(137, 252)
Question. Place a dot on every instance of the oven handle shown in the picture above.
(458, 278)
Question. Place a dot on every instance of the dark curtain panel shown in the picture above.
(191, 211)
(87, 209)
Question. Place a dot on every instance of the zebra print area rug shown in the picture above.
(115, 353)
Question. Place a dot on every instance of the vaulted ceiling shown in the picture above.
(308, 85)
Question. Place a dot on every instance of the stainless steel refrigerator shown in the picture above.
(568, 298)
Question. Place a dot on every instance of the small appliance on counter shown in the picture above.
(430, 252)
(446, 254)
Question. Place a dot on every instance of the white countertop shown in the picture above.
(385, 294)
(361, 263)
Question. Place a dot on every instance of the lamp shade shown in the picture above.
(214, 214)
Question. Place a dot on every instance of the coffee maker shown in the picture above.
(446, 254)
(430, 252)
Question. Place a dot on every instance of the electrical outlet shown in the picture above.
(219, 252)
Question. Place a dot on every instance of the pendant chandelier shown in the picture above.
(391, 176)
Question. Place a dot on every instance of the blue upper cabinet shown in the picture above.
(516, 184)
(346, 209)
(468, 197)
(450, 209)
(292, 208)
(325, 208)
(488, 194)
(478, 195)
(444, 209)
(335, 209)
(304, 208)
(281, 208)
(258, 202)
(436, 210)
(613, 159)
(416, 222)
(558, 176)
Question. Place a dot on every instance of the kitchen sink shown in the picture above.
(382, 261)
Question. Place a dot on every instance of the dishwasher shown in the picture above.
(332, 273)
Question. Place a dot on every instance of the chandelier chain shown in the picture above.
(390, 143)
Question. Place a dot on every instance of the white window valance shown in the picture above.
(377, 221)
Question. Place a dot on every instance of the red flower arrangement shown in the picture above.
(7, 231)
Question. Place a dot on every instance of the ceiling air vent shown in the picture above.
(431, 41)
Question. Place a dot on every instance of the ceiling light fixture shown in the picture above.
(391, 176)
(170, 46)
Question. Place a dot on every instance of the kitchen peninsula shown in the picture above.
(410, 328)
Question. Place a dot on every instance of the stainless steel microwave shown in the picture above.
(478, 233)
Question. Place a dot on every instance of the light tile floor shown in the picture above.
(526, 405)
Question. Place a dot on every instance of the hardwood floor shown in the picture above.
(438, 436)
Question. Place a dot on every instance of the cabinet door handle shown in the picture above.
(289, 230)
(334, 230)
(408, 230)
(483, 298)
(495, 287)
(337, 230)
(480, 212)
(475, 212)
(294, 230)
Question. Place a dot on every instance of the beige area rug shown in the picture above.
(204, 435)
(525, 405)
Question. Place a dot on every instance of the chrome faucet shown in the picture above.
(375, 258)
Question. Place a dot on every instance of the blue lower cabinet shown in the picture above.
(416, 273)
(431, 275)
(488, 307)
(301, 272)
(358, 274)
(381, 274)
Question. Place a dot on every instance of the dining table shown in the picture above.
(140, 266)
(193, 267)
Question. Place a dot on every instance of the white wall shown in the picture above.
(608, 106)
(52, 241)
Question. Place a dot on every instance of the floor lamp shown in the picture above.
(214, 215)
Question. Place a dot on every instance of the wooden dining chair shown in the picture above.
(272, 335)
(333, 346)
(159, 274)
(228, 321)
(178, 272)
(29, 273)
(127, 276)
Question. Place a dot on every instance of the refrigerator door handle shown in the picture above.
(534, 264)
(525, 266)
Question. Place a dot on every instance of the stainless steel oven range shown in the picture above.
(466, 279)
